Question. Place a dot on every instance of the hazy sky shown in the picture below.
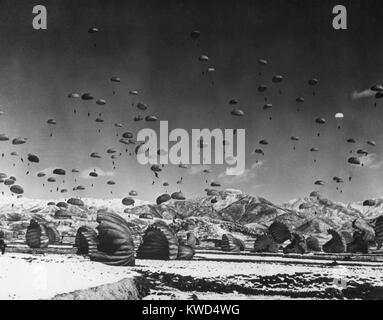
(147, 44)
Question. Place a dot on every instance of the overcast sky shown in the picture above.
(148, 45)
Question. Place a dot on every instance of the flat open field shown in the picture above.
(210, 275)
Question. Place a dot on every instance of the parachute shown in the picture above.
(297, 245)
(215, 184)
(319, 183)
(76, 202)
(237, 113)
(358, 244)
(277, 79)
(336, 244)
(33, 158)
(62, 205)
(232, 244)
(60, 172)
(265, 243)
(371, 143)
(151, 118)
(52, 121)
(163, 198)
(142, 106)
(367, 231)
(203, 58)
(3, 137)
(110, 182)
(101, 102)
(195, 34)
(87, 96)
(74, 95)
(95, 155)
(379, 232)
(369, 203)
(62, 215)
(17, 189)
(128, 201)
(158, 243)
(9, 182)
(354, 161)
(178, 196)
(115, 242)
(93, 30)
(280, 232)
(133, 193)
(312, 244)
(86, 240)
(36, 236)
(41, 174)
(19, 140)
(376, 88)
(115, 79)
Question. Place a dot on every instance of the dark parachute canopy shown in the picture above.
(127, 201)
(133, 193)
(297, 245)
(336, 244)
(115, 242)
(280, 232)
(232, 244)
(17, 189)
(186, 250)
(36, 236)
(178, 196)
(312, 244)
(163, 198)
(195, 34)
(60, 172)
(19, 140)
(86, 240)
(369, 203)
(237, 113)
(76, 202)
(33, 158)
(354, 161)
(158, 243)
(265, 243)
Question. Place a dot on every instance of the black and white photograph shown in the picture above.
(213, 150)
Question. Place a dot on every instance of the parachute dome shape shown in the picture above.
(36, 236)
(280, 232)
(163, 198)
(158, 243)
(128, 201)
(337, 244)
(232, 244)
(17, 189)
(115, 242)
(86, 240)
(76, 202)
(178, 196)
(265, 243)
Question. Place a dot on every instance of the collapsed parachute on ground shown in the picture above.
(336, 244)
(115, 244)
(86, 240)
(265, 243)
(158, 243)
(232, 244)
(39, 235)
(280, 232)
